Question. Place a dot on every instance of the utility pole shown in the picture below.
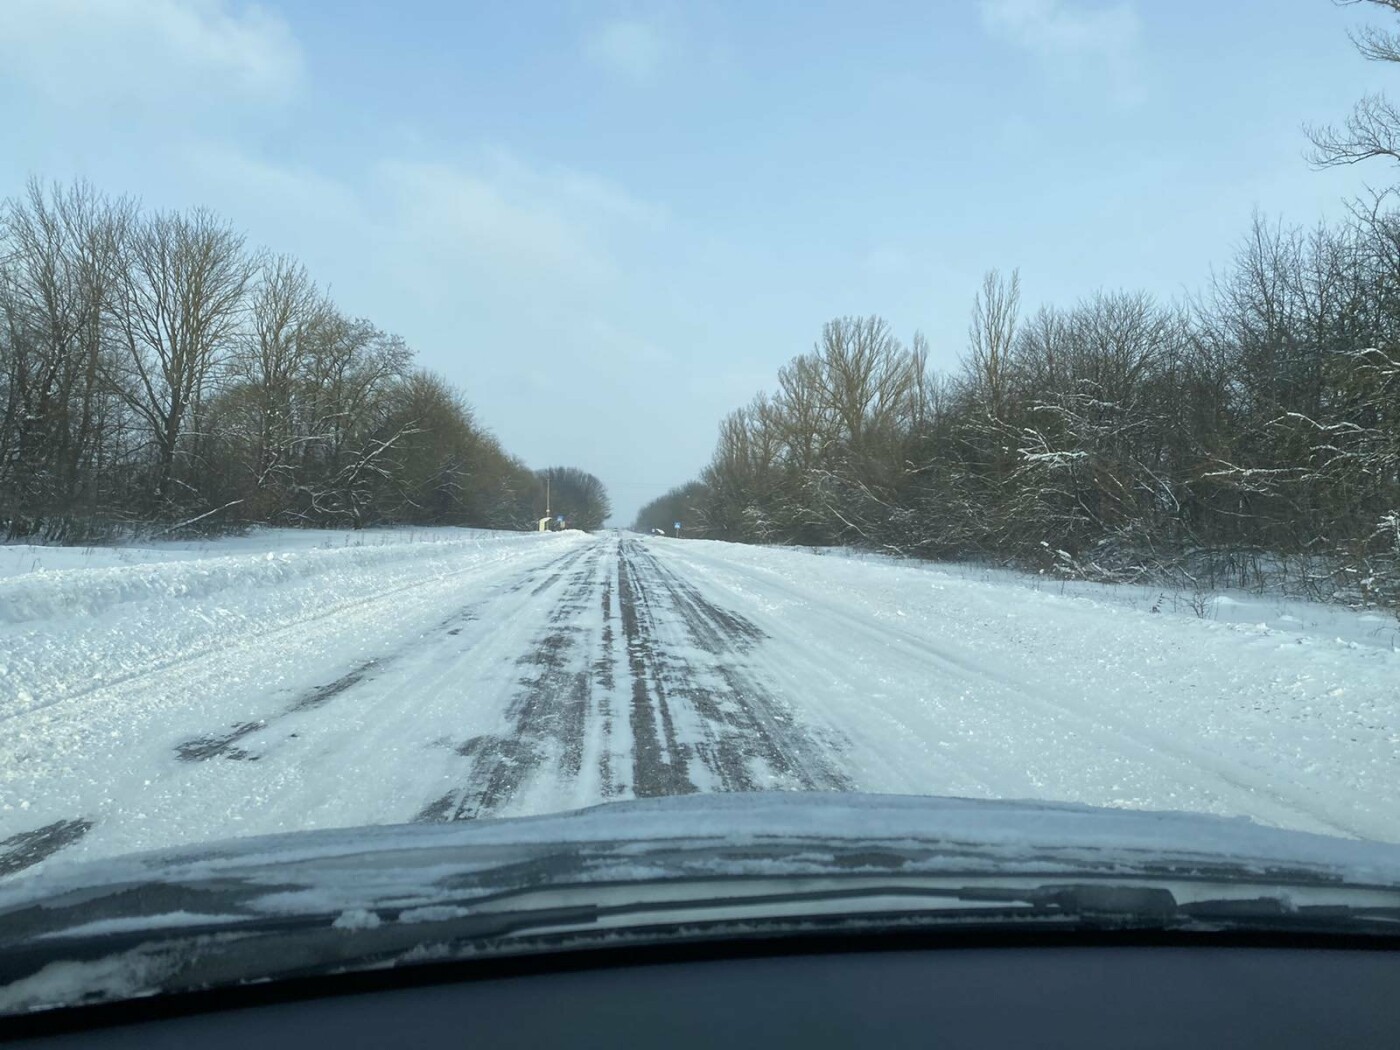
(545, 524)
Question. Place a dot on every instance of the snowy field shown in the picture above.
(1373, 627)
(183, 692)
(17, 559)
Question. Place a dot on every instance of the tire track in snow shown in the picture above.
(546, 717)
(751, 738)
(1146, 748)
(664, 658)
(255, 638)
(603, 696)
(27, 848)
(203, 748)
(223, 744)
(658, 758)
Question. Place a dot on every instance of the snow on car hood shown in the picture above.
(267, 909)
(767, 834)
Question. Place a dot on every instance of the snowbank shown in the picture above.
(1375, 628)
(63, 632)
(89, 591)
(959, 681)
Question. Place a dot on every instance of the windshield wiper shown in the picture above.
(236, 949)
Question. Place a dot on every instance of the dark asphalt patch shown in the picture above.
(659, 759)
(30, 847)
(323, 694)
(221, 745)
(603, 696)
(203, 748)
(438, 810)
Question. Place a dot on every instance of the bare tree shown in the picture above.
(864, 378)
(286, 313)
(153, 373)
(991, 335)
(183, 302)
(56, 299)
(1373, 127)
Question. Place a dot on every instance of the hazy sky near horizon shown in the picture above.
(611, 223)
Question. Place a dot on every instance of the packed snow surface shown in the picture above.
(184, 693)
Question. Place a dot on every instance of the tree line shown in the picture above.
(1249, 434)
(576, 496)
(155, 371)
(1252, 432)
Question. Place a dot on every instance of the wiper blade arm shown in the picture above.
(1143, 903)
(282, 947)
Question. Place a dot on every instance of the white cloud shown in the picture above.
(140, 55)
(578, 192)
(457, 214)
(627, 48)
(512, 223)
(1066, 35)
(295, 194)
(491, 226)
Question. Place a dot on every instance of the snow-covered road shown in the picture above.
(185, 700)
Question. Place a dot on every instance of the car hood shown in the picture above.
(697, 848)
(736, 834)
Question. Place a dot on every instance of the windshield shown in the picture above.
(414, 414)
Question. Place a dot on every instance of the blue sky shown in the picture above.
(611, 223)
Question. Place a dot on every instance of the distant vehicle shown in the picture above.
(658, 532)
